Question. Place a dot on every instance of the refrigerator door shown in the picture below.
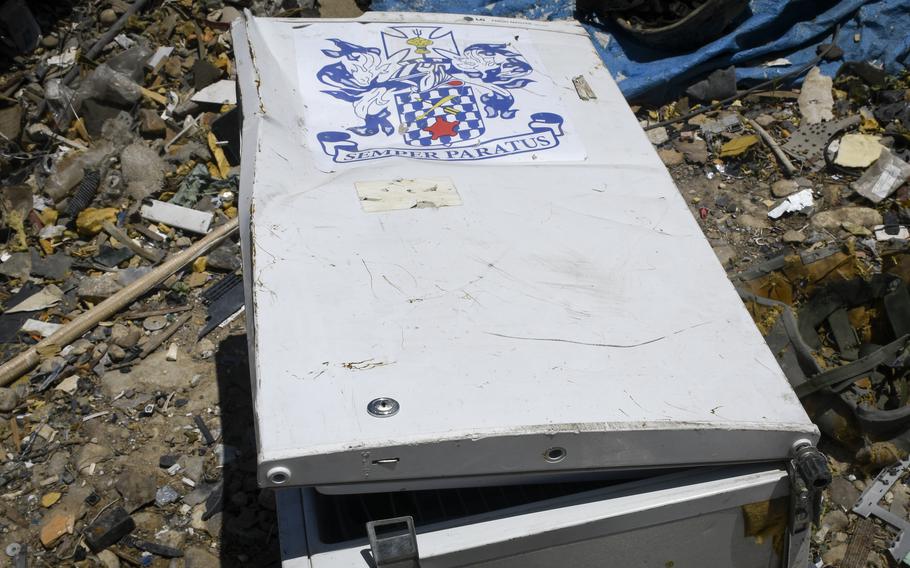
(463, 259)
(730, 517)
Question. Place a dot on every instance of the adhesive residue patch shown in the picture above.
(376, 196)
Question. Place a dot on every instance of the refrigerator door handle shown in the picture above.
(393, 543)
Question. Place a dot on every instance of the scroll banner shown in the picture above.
(545, 128)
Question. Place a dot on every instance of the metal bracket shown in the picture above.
(393, 543)
(868, 504)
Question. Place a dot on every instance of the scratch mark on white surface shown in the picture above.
(365, 364)
(594, 344)
(590, 344)
(632, 398)
(390, 283)
(371, 277)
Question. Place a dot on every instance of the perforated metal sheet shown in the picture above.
(808, 142)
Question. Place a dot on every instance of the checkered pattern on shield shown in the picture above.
(420, 113)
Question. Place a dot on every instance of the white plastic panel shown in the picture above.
(570, 305)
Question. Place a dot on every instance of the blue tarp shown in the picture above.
(877, 31)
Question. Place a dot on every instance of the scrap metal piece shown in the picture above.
(860, 544)
(224, 298)
(584, 90)
(809, 141)
(868, 504)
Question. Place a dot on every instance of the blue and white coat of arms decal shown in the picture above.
(429, 92)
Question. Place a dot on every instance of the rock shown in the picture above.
(842, 493)
(96, 288)
(111, 526)
(726, 254)
(53, 267)
(765, 120)
(835, 521)
(215, 525)
(174, 539)
(91, 453)
(204, 74)
(50, 41)
(192, 467)
(125, 336)
(718, 85)
(834, 555)
(816, 99)
(831, 52)
(226, 258)
(856, 230)
(784, 187)
(108, 559)
(794, 237)
(148, 521)
(832, 194)
(167, 460)
(57, 525)
(116, 352)
(150, 124)
(197, 279)
(834, 218)
(205, 348)
(9, 399)
(695, 151)
(18, 265)
(48, 499)
(81, 347)
(166, 495)
(108, 17)
(670, 157)
(200, 558)
(657, 136)
(11, 122)
(229, 14)
(752, 222)
(90, 221)
(901, 503)
(142, 169)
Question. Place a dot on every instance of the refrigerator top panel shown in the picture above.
(463, 259)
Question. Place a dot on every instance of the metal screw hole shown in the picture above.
(555, 455)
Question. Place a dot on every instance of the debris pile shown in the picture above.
(804, 197)
(121, 329)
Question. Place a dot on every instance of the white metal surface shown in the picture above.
(692, 519)
(566, 304)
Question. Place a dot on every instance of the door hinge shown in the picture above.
(393, 543)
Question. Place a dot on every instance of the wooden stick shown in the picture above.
(150, 313)
(125, 240)
(155, 342)
(28, 359)
(788, 166)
